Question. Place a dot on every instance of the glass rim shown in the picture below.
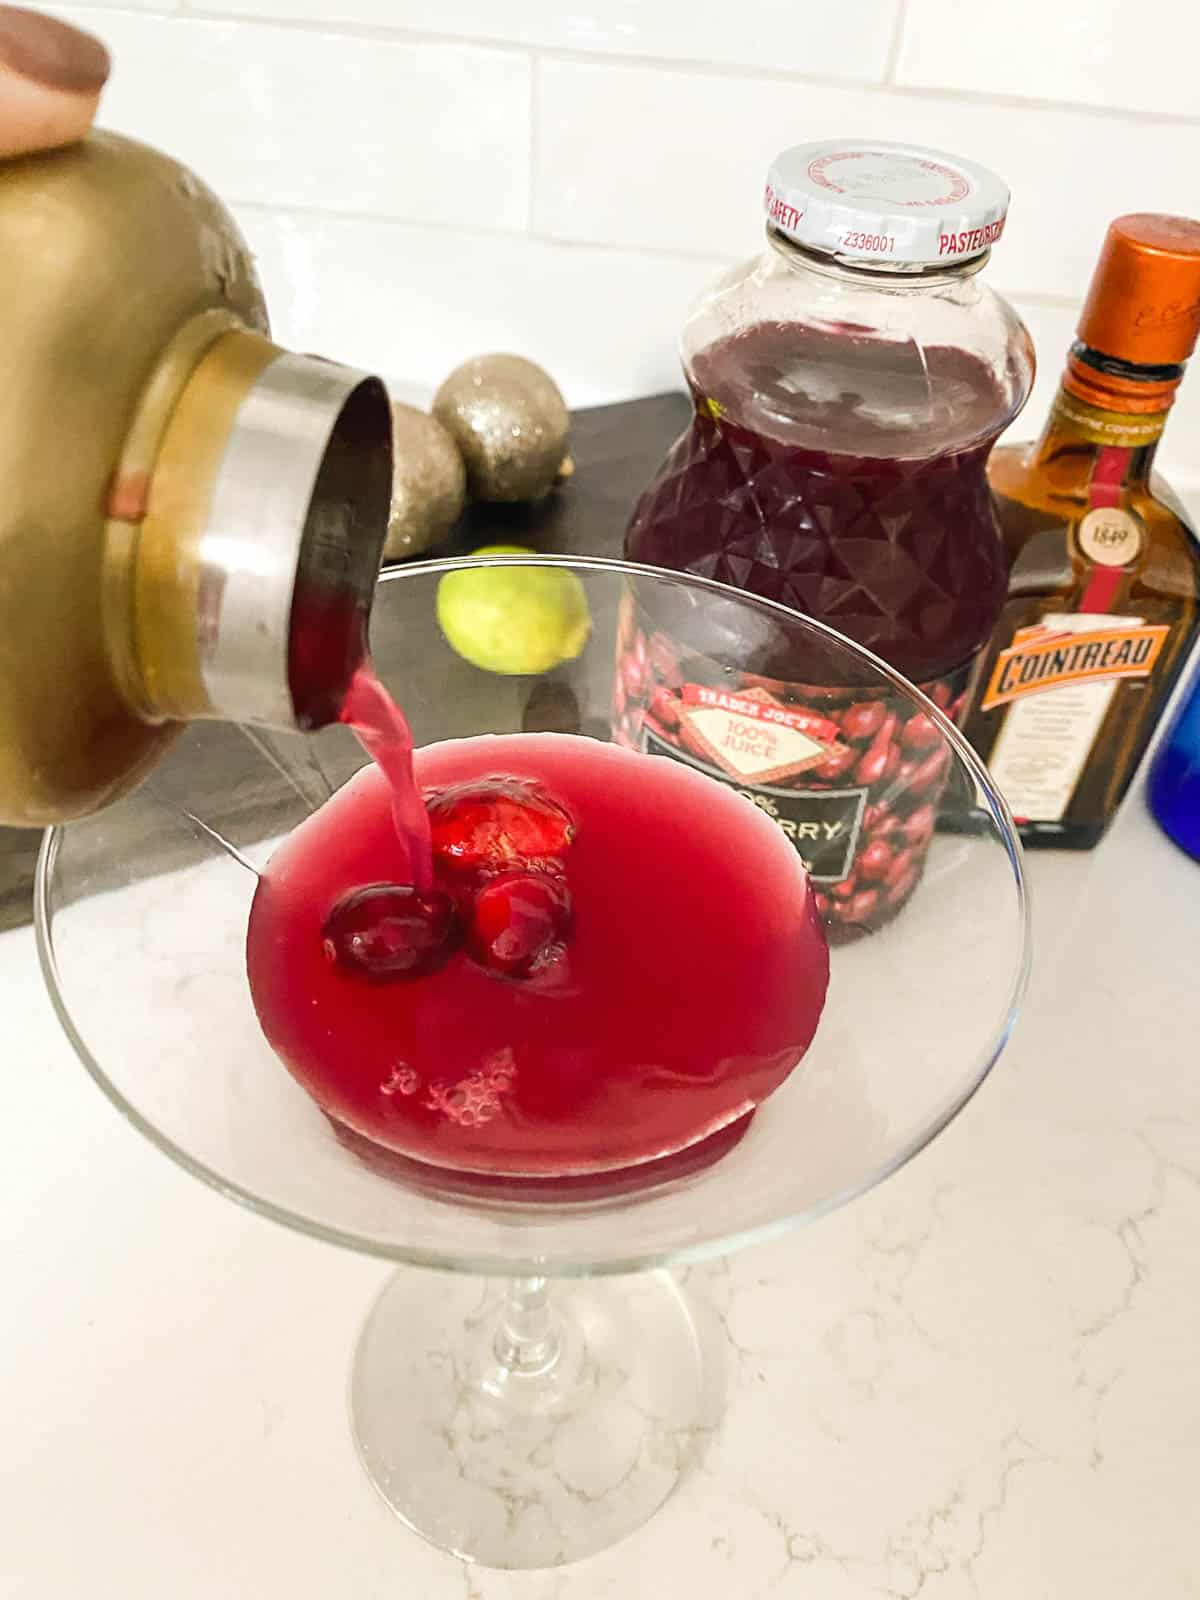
(714, 1242)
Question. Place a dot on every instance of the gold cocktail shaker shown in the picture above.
(191, 519)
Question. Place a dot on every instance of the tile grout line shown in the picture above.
(896, 44)
(288, 208)
(535, 112)
(712, 259)
(699, 67)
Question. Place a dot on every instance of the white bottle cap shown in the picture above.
(885, 202)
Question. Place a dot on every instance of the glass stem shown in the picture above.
(527, 1341)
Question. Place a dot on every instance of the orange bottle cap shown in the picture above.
(1143, 305)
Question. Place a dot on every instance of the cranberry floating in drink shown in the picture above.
(390, 930)
(616, 960)
(848, 386)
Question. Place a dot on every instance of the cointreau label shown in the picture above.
(1098, 425)
(1056, 682)
(1052, 654)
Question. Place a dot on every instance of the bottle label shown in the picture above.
(824, 825)
(1058, 679)
(1110, 536)
(852, 777)
(753, 737)
(1072, 647)
(1124, 430)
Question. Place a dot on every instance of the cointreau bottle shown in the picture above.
(1104, 588)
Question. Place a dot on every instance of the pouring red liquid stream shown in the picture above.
(382, 730)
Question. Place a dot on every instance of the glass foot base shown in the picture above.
(534, 1427)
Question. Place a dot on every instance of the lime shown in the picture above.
(514, 620)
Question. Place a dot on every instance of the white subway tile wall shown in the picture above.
(423, 183)
(412, 303)
(851, 39)
(163, 7)
(712, 137)
(324, 121)
(1092, 52)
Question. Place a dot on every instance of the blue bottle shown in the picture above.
(1174, 785)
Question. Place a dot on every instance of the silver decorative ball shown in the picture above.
(429, 483)
(509, 421)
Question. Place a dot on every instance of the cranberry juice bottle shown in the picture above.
(848, 386)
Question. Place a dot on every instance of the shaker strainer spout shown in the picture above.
(193, 518)
(255, 561)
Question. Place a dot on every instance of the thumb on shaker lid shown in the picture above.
(51, 75)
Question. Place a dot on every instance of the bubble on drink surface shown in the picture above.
(402, 1079)
(478, 1098)
(502, 1070)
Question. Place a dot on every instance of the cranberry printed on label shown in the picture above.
(852, 778)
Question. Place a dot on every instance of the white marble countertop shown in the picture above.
(980, 1380)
